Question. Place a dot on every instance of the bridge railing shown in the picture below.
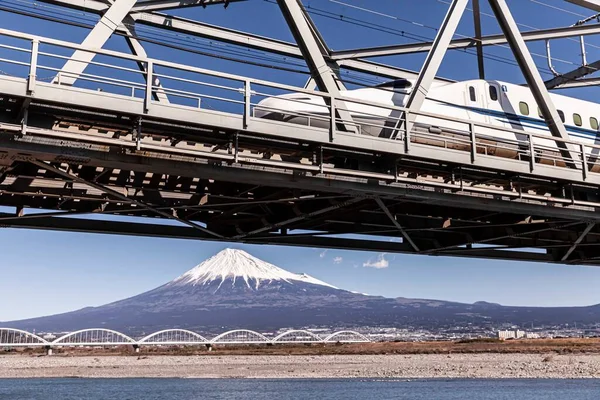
(147, 79)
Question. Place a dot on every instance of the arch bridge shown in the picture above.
(87, 130)
(99, 337)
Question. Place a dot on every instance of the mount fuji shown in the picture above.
(233, 289)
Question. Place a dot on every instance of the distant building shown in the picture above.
(516, 334)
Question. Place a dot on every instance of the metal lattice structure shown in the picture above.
(86, 130)
(10, 337)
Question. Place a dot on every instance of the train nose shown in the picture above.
(264, 108)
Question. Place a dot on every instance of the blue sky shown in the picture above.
(50, 272)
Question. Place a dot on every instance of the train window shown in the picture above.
(493, 93)
(561, 115)
(577, 119)
(594, 123)
(524, 108)
(472, 94)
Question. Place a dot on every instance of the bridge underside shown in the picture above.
(88, 157)
(76, 163)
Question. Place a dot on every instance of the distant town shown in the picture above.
(504, 332)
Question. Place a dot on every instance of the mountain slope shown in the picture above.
(236, 290)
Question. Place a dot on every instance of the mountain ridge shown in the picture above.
(234, 289)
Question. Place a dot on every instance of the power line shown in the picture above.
(436, 29)
(405, 34)
(166, 42)
(176, 41)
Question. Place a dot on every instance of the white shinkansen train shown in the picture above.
(490, 103)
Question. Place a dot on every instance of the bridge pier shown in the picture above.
(208, 347)
(48, 350)
(136, 348)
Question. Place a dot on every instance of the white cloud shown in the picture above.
(380, 263)
(322, 255)
(337, 260)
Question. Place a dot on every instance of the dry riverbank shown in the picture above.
(300, 366)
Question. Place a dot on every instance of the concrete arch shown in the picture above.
(359, 338)
(147, 339)
(261, 338)
(281, 337)
(61, 340)
(36, 340)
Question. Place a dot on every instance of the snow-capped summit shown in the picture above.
(238, 265)
(234, 290)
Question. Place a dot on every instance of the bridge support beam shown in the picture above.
(387, 212)
(587, 230)
(433, 61)
(136, 48)
(109, 22)
(48, 350)
(314, 50)
(123, 197)
(533, 77)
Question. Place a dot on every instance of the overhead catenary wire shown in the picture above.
(174, 40)
(184, 42)
(166, 42)
(531, 26)
(379, 13)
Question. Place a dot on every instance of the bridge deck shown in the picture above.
(110, 145)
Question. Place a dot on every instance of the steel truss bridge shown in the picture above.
(87, 131)
(10, 337)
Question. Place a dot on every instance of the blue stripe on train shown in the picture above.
(519, 119)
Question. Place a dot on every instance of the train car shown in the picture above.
(489, 104)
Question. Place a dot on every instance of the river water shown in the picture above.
(288, 389)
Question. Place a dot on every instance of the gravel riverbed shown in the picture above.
(325, 366)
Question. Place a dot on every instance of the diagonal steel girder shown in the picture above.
(121, 196)
(314, 50)
(432, 62)
(302, 217)
(110, 21)
(226, 35)
(396, 223)
(136, 48)
(587, 230)
(533, 78)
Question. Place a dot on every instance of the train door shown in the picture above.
(475, 102)
(494, 106)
